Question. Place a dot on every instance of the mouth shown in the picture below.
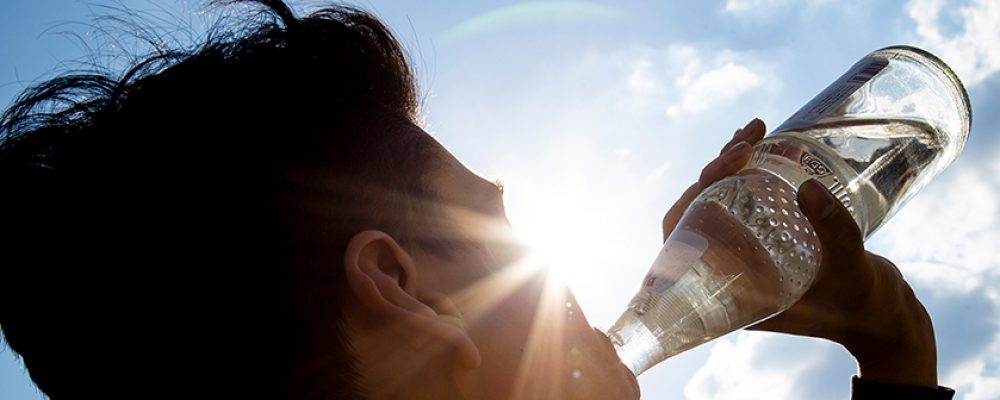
(612, 356)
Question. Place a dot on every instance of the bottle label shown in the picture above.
(812, 165)
(682, 250)
(835, 94)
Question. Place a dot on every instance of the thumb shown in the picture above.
(839, 236)
(842, 248)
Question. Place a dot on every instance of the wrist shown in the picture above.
(904, 367)
(905, 354)
(863, 389)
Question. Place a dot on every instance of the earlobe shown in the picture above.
(454, 330)
(384, 278)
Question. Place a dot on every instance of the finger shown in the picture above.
(750, 130)
(751, 133)
(839, 236)
(755, 135)
(719, 168)
(677, 210)
(727, 164)
(732, 142)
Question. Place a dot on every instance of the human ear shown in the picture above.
(384, 279)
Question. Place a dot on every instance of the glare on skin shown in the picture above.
(533, 339)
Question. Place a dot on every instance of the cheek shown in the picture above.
(537, 344)
(534, 341)
(504, 319)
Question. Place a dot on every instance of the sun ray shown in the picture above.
(544, 358)
(479, 298)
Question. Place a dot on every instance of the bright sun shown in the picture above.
(561, 231)
(581, 214)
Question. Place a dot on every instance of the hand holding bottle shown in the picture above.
(743, 250)
(859, 299)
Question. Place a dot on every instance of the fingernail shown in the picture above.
(817, 199)
(751, 127)
(736, 153)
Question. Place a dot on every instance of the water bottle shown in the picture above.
(743, 251)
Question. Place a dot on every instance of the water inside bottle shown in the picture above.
(744, 251)
(754, 252)
(874, 165)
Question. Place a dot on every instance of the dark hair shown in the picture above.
(178, 231)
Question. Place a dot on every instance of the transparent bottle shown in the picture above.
(743, 251)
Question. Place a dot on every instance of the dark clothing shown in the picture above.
(862, 389)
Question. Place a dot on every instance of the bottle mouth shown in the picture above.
(958, 92)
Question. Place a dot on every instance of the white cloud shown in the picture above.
(946, 237)
(641, 79)
(659, 171)
(730, 372)
(705, 79)
(942, 277)
(680, 78)
(978, 377)
(974, 52)
(713, 87)
(973, 379)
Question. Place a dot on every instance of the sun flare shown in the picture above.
(559, 229)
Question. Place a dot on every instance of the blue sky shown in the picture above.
(609, 110)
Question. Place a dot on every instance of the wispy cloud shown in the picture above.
(713, 87)
(974, 378)
(684, 79)
(641, 77)
(974, 51)
(965, 209)
(735, 370)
